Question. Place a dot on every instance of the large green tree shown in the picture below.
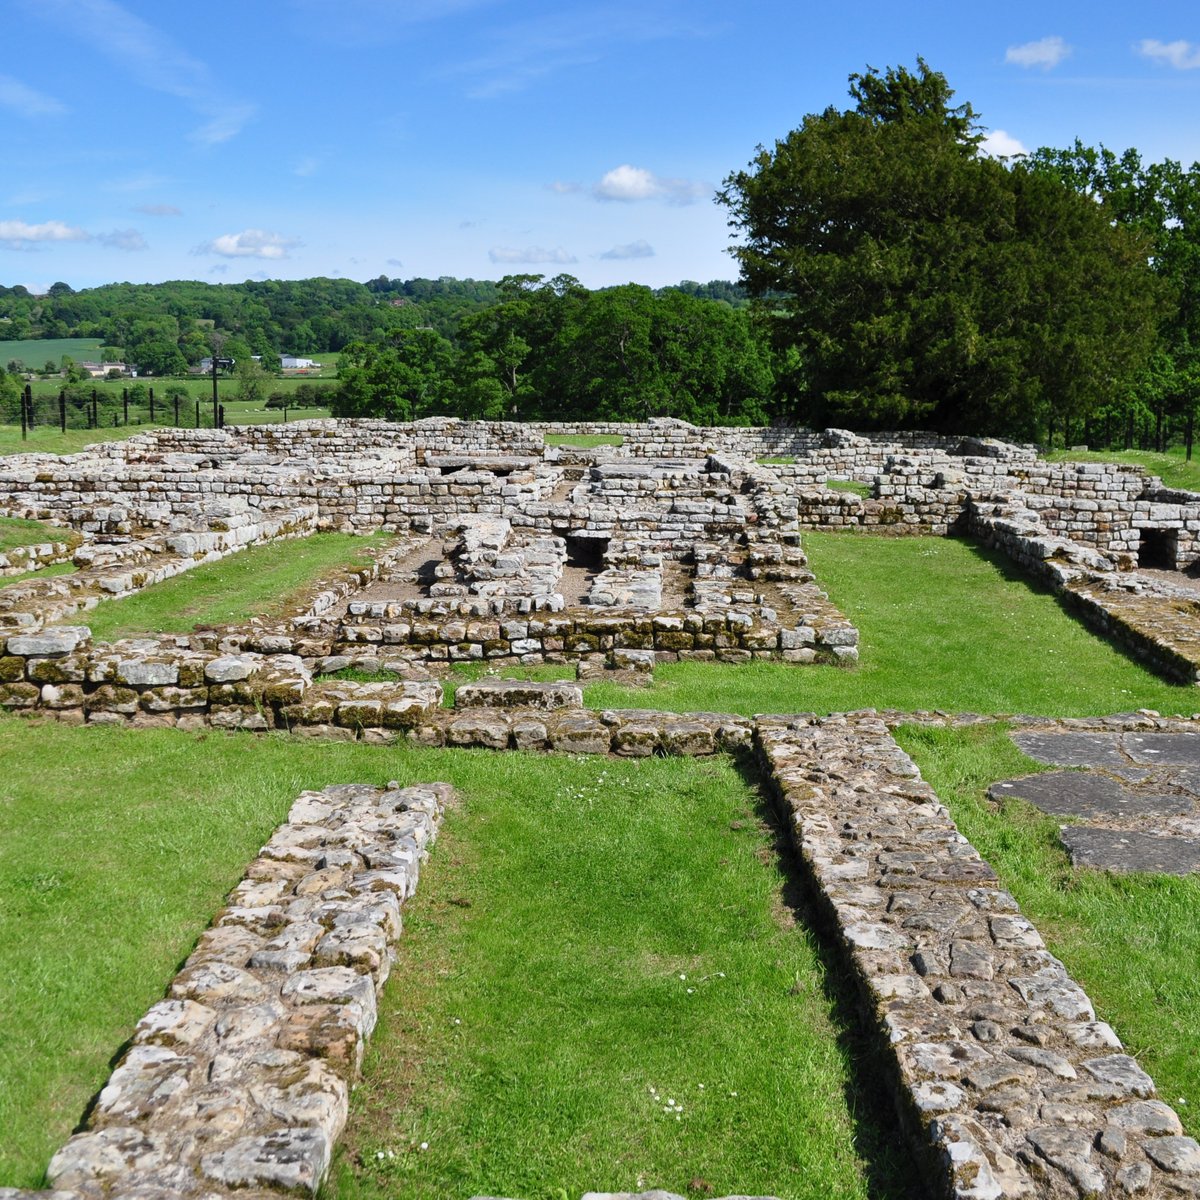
(917, 281)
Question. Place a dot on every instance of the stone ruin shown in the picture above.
(676, 545)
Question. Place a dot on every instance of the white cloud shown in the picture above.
(565, 188)
(1047, 52)
(1183, 56)
(123, 239)
(529, 255)
(153, 60)
(27, 102)
(160, 210)
(999, 144)
(630, 184)
(638, 249)
(250, 243)
(20, 235)
(305, 167)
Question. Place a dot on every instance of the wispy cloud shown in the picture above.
(1183, 56)
(638, 249)
(129, 240)
(630, 184)
(394, 262)
(530, 255)
(1047, 52)
(160, 210)
(999, 144)
(250, 243)
(135, 183)
(26, 102)
(527, 51)
(153, 60)
(305, 167)
(355, 22)
(20, 235)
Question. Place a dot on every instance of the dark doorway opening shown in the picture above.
(587, 552)
(1159, 549)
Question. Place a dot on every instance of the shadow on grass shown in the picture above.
(892, 1172)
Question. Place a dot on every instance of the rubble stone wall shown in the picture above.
(1010, 1084)
(240, 1078)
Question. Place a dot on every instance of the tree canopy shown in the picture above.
(919, 282)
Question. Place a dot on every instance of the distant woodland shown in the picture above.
(892, 274)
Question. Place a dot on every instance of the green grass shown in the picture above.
(1132, 941)
(944, 624)
(584, 441)
(34, 353)
(777, 460)
(257, 582)
(47, 439)
(552, 925)
(1174, 470)
(16, 532)
(47, 572)
(542, 996)
(849, 485)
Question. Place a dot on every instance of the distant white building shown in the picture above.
(290, 362)
(101, 370)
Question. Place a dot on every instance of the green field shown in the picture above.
(36, 352)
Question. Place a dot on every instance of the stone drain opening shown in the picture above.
(1158, 549)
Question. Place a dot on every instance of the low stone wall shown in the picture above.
(237, 1083)
(21, 559)
(1009, 1084)
(685, 635)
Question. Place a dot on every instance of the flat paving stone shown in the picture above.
(1072, 749)
(1121, 850)
(1086, 794)
(1159, 749)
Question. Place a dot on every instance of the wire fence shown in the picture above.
(94, 409)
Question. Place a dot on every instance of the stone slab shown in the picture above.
(1123, 850)
(1159, 749)
(1072, 749)
(1086, 794)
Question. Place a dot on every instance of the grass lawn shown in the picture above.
(538, 996)
(1133, 941)
(584, 441)
(257, 582)
(16, 532)
(1174, 470)
(944, 624)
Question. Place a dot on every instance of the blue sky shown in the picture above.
(287, 138)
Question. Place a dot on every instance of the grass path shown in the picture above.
(256, 582)
(603, 987)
